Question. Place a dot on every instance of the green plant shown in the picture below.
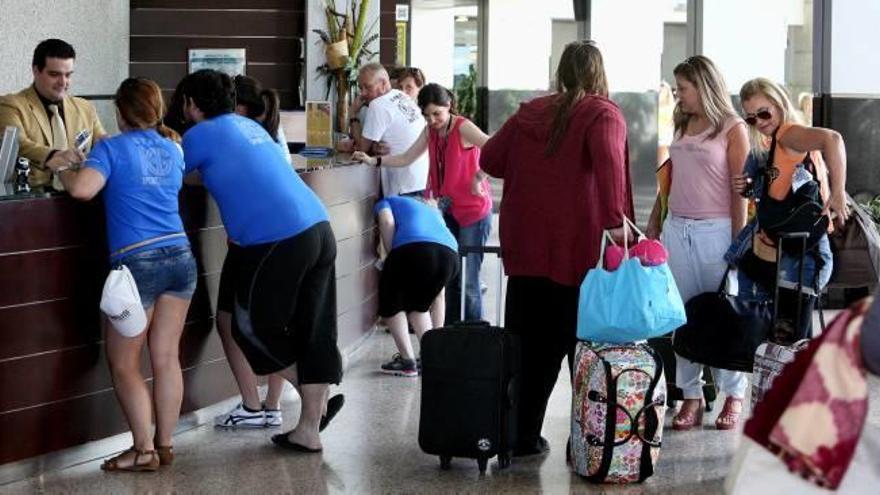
(347, 45)
(466, 94)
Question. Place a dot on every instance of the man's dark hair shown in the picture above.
(53, 48)
(211, 91)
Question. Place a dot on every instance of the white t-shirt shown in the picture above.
(396, 119)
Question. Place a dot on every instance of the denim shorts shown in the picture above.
(166, 270)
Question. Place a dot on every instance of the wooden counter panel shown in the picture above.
(71, 321)
(52, 274)
(60, 424)
(344, 184)
(353, 289)
(59, 221)
(352, 219)
(51, 325)
(64, 374)
(352, 324)
(355, 252)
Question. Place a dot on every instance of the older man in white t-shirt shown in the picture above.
(391, 117)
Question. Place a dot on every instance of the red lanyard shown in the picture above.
(440, 153)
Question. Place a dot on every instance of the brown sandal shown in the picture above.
(151, 465)
(166, 454)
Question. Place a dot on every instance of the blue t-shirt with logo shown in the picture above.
(144, 174)
(261, 198)
(415, 221)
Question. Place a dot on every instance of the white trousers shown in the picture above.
(696, 259)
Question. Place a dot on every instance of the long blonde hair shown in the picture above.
(714, 97)
(778, 96)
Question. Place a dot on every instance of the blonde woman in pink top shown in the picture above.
(710, 147)
(456, 182)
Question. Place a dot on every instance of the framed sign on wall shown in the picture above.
(231, 61)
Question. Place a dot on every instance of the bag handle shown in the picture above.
(606, 237)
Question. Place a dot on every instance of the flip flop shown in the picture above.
(334, 404)
(281, 440)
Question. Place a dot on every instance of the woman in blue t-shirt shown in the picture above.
(284, 284)
(261, 105)
(422, 261)
(140, 173)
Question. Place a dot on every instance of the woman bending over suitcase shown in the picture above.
(710, 147)
(772, 117)
(454, 178)
(423, 259)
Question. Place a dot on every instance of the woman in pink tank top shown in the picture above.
(455, 180)
(710, 147)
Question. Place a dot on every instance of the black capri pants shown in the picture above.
(413, 275)
(285, 305)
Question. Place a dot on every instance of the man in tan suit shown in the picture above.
(48, 118)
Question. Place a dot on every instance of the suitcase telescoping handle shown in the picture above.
(463, 251)
(803, 236)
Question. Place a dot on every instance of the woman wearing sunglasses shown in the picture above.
(769, 112)
(772, 117)
(710, 146)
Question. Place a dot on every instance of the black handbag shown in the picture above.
(723, 331)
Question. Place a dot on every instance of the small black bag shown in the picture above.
(723, 331)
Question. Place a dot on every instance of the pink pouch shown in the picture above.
(650, 252)
(613, 257)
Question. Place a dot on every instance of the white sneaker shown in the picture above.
(239, 417)
(273, 417)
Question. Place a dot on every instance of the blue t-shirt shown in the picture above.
(415, 221)
(144, 174)
(261, 197)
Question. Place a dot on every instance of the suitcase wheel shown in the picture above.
(445, 462)
(482, 462)
(503, 461)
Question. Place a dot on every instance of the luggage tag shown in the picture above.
(732, 283)
(800, 177)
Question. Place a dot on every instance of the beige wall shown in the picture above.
(97, 29)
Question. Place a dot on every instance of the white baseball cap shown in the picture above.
(121, 302)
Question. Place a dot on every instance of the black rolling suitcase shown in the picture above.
(470, 376)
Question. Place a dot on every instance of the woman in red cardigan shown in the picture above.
(565, 167)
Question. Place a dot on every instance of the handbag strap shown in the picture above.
(146, 242)
(606, 237)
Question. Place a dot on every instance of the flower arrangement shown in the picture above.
(346, 47)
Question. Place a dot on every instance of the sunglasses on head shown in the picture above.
(763, 114)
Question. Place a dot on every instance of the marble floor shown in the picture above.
(371, 447)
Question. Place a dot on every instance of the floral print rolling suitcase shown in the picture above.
(618, 405)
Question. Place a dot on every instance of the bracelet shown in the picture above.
(378, 161)
(353, 120)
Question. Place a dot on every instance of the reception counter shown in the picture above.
(55, 387)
